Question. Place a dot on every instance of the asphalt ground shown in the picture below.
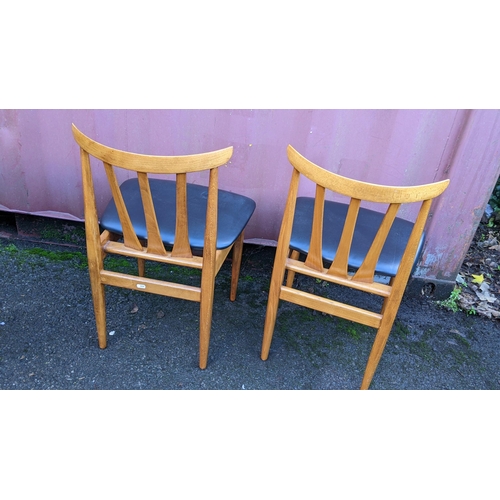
(48, 337)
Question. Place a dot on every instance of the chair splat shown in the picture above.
(340, 263)
(154, 243)
(129, 237)
(314, 258)
(181, 245)
(366, 271)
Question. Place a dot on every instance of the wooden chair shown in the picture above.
(173, 222)
(348, 245)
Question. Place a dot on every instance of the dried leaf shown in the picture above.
(484, 293)
(486, 310)
(491, 241)
(467, 301)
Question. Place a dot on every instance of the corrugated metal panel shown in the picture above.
(40, 170)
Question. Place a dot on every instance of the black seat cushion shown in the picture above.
(234, 212)
(366, 228)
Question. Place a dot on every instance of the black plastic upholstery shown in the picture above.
(234, 211)
(366, 228)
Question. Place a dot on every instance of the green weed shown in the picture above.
(451, 303)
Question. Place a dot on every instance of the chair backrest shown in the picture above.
(357, 191)
(144, 165)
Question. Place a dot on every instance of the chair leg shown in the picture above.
(206, 308)
(99, 301)
(273, 302)
(377, 350)
(389, 311)
(236, 265)
(141, 267)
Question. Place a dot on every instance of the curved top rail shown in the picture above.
(364, 190)
(153, 164)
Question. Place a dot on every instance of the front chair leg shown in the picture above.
(376, 352)
(206, 308)
(99, 302)
(273, 301)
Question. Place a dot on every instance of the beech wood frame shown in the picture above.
(100, 244)
(363, 279)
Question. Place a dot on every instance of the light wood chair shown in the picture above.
(348, 245)
(162, 220)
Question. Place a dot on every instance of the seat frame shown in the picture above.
(100, 244)
(363, 279)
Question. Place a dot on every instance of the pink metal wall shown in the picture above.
(40, 170)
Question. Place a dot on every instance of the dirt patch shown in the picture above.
(478, 284)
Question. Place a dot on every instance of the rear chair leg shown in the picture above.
(141, 267)
(294, 254)
(236, 265)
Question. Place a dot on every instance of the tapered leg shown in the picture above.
(206, 307)
(235, 270)
(389, 310)
(99, 301)
(273, 302)
(282, 251)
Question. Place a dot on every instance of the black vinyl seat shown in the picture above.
(367, 224)
(234, 212)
